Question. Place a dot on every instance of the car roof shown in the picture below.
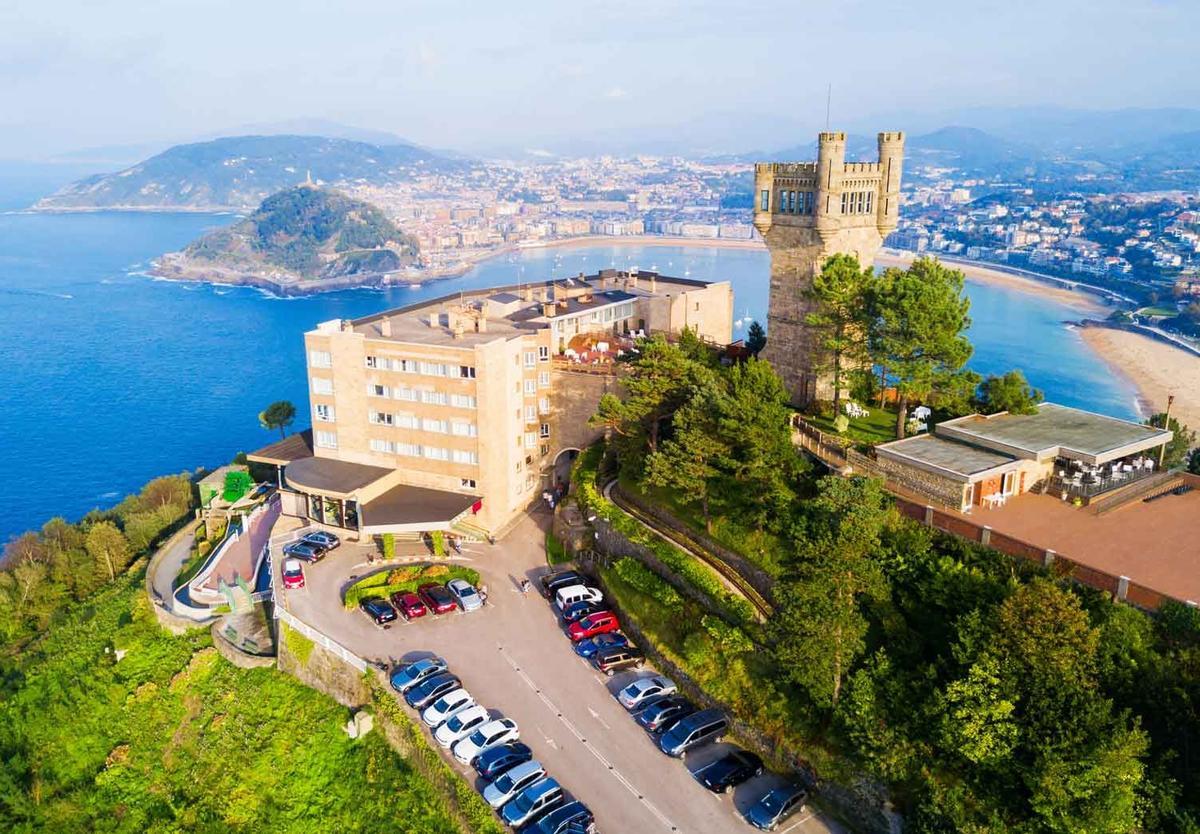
(701, 717)
(642, 684)
(578, 586)
(565, 812)
(292, 564)
(543, 786)
(459, 583)
(524, 768)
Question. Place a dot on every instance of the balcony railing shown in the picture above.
(1096, 485)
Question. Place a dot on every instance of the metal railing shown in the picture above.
(1098, 486)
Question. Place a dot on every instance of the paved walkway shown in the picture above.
(515, 660)
(169, 565)
(240, 557)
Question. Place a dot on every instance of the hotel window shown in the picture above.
(378, 445)
(530, 413)
(545, 449)
(530, 359)
(324, 412)
(373, 362)
(468, 483)
(321, 385)
(430, 424)
(530, 387)
(544, 430)
(461, 429)
(462, 401)
(411, 395)
(544, 406)
(764, 200)
(530, 440)
(543, 354)
(433, 369)
(544, 379)
(466, 371)
(326, 439)
(374, 390)
(436, 453)
(408, 366)
(381, 418)
(407, 421)
(463, 456)
(320, 359)
(411, 450)
(433, 397)
(528, 482)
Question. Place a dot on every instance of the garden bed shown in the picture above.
(386, 582)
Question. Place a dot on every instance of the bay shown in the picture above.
(112, 377)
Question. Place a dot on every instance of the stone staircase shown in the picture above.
(1150, 487)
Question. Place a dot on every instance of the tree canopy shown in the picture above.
(839, 295)
(278, 415)
(1009, 392)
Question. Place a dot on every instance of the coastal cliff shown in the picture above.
(299, 240)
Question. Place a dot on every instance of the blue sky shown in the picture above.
(487, 75)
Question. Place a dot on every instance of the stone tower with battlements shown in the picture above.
(806, 212)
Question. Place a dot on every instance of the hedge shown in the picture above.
(688, 568)
(406, 578)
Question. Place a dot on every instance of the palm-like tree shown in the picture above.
(278, 415)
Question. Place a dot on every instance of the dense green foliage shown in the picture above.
(1009, 392)
(237, 484)
(278, 415)
(839, 297)
(1181, 442)
(313, 232)
(47, 571)
(110, 723)
(386, 582)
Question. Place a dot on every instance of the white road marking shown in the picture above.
(596, 715)
(800, 821)
(620, 777)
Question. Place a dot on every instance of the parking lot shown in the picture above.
(513, 657)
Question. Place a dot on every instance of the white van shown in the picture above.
(572, 594)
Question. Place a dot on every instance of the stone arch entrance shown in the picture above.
(559, 474)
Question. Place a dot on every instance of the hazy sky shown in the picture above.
(487, 74)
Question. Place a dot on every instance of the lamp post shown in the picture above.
(1162, 450)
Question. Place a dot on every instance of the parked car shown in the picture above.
(454, 701)
(572, 818)
(610, 640)
(579, 610)
(564, 598)
(437, 598)
(460, 725)
(409, 605)
(322, 539)
(293, 574)
(537, 799)
(430, 689)
(661, 713)
(697, 729)
(406, 677)
(551, 582)
(379, 610)
(611, 661)
(643, 689)
(776, 806)
(499, 731)
(304, 550)
(600, 622)
(491, 763)
(730, 770)
(463, 591)
(512, 781)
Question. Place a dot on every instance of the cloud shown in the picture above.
(616, 93)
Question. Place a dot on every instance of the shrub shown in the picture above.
(389, 546)
(402, 575)
(727, 636)
(438, 539)
(297, 643)
(436, 570)
(648, 582)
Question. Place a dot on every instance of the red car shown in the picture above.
(293, 574)
(409, 605)
(601, 622)
(437, 598)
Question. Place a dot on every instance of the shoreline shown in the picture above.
(1154, 369)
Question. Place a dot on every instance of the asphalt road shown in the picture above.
(513, 657)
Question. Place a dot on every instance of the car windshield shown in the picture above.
(588, 622)
(477, 738)
(456, 723)
(504, 784)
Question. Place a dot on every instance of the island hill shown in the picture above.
(301, 240)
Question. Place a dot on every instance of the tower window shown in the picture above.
(845, 200)
(870, 195)
(764, 200)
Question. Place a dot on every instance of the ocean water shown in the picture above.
(112, 377)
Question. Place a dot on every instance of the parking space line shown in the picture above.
(800, 821)
(609, 766)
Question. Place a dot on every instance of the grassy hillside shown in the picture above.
(311, 232)
(171, 737)
(239, 171)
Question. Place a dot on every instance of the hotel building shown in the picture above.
(450, 414)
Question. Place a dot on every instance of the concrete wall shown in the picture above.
(324, 671)
(938, 487)
(573, 401)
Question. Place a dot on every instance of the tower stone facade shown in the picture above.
(806, 212)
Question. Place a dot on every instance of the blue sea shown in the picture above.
(112, 377)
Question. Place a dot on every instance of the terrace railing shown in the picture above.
(1098, 486)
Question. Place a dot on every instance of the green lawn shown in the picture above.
(556, 554)
(1158, 311)
(878, 427)
(171, 738)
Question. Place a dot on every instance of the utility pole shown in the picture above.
(1162, 450)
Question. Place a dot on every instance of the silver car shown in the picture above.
(512, 781)
(468, 598)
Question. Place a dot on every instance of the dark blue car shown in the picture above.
(491, 763)
(612, 640)
(430, 689)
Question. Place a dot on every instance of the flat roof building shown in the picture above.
(449, 414)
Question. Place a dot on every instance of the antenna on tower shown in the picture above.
(828, 102)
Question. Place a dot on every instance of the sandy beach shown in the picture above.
(1086, 303)
(1155, 369)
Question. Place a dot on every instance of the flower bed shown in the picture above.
(384, 583)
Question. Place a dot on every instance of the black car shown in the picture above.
(307, 551)
(661, 713)
(572, 818)
(430, 689)
(551, 582)
(491, 763)
(730, 771)
(579, 610)
(379, 610)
